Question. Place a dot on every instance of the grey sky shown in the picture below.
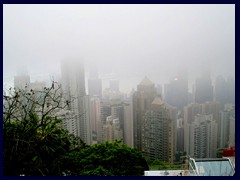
(129, 41)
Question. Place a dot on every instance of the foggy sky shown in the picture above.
(124, 41)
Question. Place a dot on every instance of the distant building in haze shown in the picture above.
(227, 128)
(203, 89)
(180, 136)
(220, 90)
(159, 90)
(21, 81)
(176, 92)
(105, 111)
(128, 125)
(95, 87)
(190, 113)
(94, 84)
(142, 100)
(203, 137)
(231, 90)
(224, 90)
(95, 117)
(73, 87)
(114, 85)
(69, 121)
(231, 141)
(37, 85)
(158, 132)
(112, 130)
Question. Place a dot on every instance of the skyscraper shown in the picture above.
(112, 130)
(180, 136)
(232, 131)
(227, 127)
(105, 111)
(157, 132)
(95, 117)
(231, 90)
(142, 100)
(73, 87)
(203, 89)
(73, 78)
(176, 92)
(220, 90)
(128, 125)
(94, 84)
(190, 111)
(85, 124)
(69, 121)
(224, 90)
(95, 87)
(203, 137)
(21, 81)
(114, 85)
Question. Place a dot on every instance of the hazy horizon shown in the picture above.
(126, 42)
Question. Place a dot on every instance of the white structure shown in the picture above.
(95, 117)
(203, 137)
(168, 173)
(111, 130)
(85, 124)
(37, 85)
(111, 94)
(73, 86)
(232, 131)
(117, 132)
(73, 83)
(21, 81)
(107, 130)
(192, 110)
(227, 127)
(128, 125)
(69, 121)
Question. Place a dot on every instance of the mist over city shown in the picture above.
(160, 78)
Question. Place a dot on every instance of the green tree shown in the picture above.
(112, 159)
(33, 140)
(35, 144)
(162, 165)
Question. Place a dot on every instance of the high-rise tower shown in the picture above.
(203, 137)
(94, 83)
(21, 81)
(142, 100)
(176, 92)
(73, 86)
(157, 132)
(203, 89)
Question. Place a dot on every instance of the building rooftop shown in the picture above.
(146, 82)
(157, 101)
(212, 167)
(200, 167)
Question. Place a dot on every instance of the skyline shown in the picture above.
(127, 41)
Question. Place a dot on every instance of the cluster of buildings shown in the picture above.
(158, 124)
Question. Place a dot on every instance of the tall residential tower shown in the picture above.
(73, 86)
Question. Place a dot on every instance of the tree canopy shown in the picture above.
(115, 159)
(34, 144)
(32, 136)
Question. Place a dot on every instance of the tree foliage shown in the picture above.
(114, 159)
(32, 137)
(162, 165)
(35, 144)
